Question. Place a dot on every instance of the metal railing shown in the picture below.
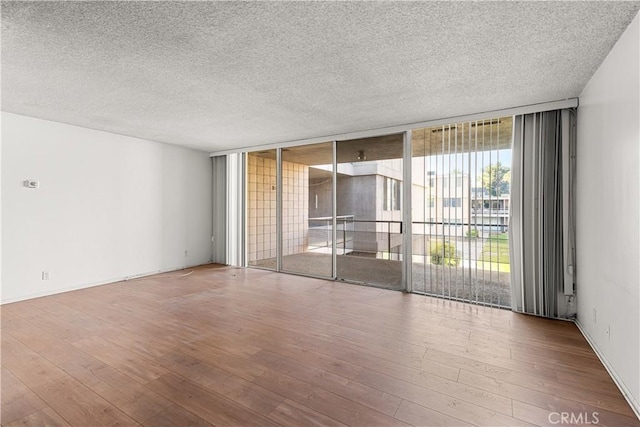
(489, 211)
(356, 236)
(321, 235)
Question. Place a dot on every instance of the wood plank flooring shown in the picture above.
(224, 346)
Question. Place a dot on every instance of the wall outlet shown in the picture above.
(608, 332)
(46, 275)
(186, 253)
(595, 319)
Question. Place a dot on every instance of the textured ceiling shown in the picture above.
(219, 75)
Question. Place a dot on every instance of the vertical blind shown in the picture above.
(460, 189)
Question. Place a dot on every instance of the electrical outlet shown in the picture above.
(186, 253)
(608, 332)
(46, 275)
(595, 319)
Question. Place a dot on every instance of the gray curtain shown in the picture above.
(541, 241)
(219, 226)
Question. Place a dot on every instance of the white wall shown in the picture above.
(608, 214)
(108, 207)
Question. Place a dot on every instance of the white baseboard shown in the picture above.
(92, 284)
(635, 405)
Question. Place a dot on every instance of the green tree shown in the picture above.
(496, 179)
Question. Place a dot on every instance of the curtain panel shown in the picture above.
(540, 225)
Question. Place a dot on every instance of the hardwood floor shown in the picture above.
(225, 346)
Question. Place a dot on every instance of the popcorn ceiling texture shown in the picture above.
(219, 75)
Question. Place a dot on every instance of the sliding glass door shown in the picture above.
(307, 205)
(369, 211)
(261, 209)
(337, 210)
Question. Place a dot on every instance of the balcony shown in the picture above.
(449, 261)
(366, 238)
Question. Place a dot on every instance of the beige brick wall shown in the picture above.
(295, 208)
(261, 210)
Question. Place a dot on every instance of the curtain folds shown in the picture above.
(228, 210)
(540, 230)
(219, 226)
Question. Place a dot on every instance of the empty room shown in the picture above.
(320, 213)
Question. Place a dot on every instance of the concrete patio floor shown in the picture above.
(471, 284)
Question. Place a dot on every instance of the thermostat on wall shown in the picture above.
(30, 183)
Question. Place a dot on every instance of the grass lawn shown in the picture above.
(495, 266)
(495, 253)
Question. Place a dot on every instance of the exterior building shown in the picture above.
(369, 208)
(490, 213)
(441, 204)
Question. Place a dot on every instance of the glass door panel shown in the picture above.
(369, 211)
(261, 209)
(307, 207)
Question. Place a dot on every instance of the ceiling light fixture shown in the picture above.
(361, 156)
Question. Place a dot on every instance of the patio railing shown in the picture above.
(369, 238)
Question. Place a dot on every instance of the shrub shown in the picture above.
(472, 233)
(444, 253)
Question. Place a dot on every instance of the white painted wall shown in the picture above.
(608, 213)
(108, 207)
